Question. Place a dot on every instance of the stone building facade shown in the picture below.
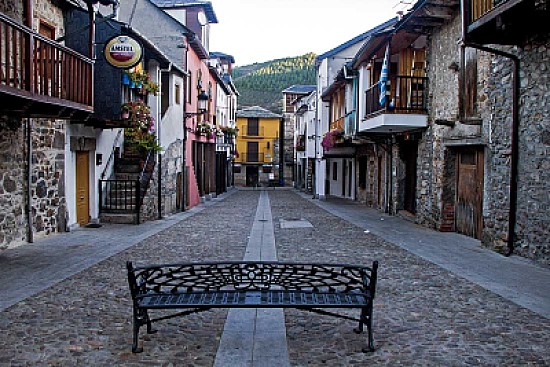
(489, 133)
(47, 176)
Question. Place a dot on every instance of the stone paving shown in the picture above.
(85, 320)
(424, 315)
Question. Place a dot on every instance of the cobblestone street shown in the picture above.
(423, 314)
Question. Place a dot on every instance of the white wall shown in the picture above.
(104, 145)
(177, 14)
(171, 125)
(336, 185)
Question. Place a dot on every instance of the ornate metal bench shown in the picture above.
(249, 284)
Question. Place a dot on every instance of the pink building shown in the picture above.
(201, 128)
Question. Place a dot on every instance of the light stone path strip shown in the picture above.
(256, 337)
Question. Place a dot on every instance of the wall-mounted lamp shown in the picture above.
(202, 104)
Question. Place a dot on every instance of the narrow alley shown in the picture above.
(63, 307)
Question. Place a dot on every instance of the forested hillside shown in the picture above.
(260, 84)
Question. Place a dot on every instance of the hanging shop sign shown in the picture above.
(123, 52)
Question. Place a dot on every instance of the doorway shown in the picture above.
(409, 154)
(82, 187)
(469, 193)
(251, 175)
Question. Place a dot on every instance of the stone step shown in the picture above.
(128, 168)
(118, 218)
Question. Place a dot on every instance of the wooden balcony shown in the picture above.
(506, 22)
(405, 108)
(41, 78)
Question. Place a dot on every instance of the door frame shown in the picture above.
(479, 152)
(88, 184)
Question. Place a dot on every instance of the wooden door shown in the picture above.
(82, 188)
(469, 196)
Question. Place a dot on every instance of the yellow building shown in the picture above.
(257, 145)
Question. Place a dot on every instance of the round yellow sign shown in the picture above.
(123, 52)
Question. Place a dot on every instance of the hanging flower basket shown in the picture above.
(330, 138)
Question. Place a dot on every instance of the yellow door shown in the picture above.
(82, 188)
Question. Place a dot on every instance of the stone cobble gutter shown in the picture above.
(85, 320)
(423, 315)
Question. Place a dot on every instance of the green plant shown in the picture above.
(139, 115)
(145, 140)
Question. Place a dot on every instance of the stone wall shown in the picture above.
(12, 186)
(49, 211)
(289, 148)
(369, 195)
(171, 165)
(533, 211)
(445, 132)
(48, 177)
(13, 9)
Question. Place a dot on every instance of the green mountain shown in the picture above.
(261, 84)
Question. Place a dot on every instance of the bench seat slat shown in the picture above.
(252, 298)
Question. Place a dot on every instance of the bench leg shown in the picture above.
(136, 325)
(150, 329)
(368, 321)
(362, 320)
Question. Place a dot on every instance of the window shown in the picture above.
(468, 105)
(253, 128)
(335, 171)
(165, 93)
(237, 168)
(177, 93)
(188, 88)
(363, 173)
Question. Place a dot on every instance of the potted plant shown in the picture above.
(329, 139)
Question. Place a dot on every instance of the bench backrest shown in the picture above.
(247, 275)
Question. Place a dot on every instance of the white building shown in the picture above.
(328, 65)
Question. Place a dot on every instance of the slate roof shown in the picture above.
(206, 5)
(258, 112)
(357, 39)
(300, 89)
(221, 55)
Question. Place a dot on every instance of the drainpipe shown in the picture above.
(28, 23)
(514, 138)
(30, 238)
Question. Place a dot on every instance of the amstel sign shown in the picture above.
(123, 52)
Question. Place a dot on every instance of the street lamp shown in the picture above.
(201, 106)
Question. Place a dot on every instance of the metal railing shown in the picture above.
(126, 195)
(247, 131)
(252, 157)
(406, 94)
(39, 66)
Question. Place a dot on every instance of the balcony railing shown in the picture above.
(252, 157)
(478, 8)
(37, 68)
(251, 131)
(406, 95)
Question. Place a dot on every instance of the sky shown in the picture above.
(262, 30)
